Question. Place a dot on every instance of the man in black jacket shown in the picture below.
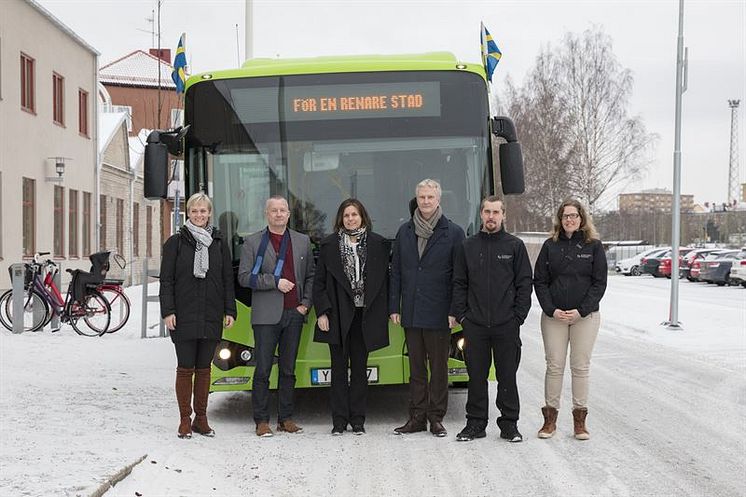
(491, 298)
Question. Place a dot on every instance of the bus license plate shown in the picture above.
(323, 376)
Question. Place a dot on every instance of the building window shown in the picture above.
(72, 219)
(86, 223)
(120, 226)
(58, 99)
(135, 230)
(83, 112)
(149, 231)
(102, 223)
(59, 222)
(28, 84)
(29, 216)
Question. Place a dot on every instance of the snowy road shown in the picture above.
(666, 419)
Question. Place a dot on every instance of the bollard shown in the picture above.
(17, 272)
(146, 274)
(55, 316)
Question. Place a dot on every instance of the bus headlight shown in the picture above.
(225, 353)
(245, 355)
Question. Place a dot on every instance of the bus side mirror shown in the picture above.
(511, 157)
(156, 168)
(160, 144)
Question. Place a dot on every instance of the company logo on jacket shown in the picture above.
(504, 257)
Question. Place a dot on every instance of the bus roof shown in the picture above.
(431, 61)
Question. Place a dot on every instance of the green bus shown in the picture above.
(317, 131)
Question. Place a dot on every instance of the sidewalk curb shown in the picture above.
(116, 478)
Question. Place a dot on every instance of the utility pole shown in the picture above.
(681, 79)
(733, 170)
(158, 119)
(249, 34)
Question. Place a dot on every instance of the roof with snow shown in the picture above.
(137, 69)
(109, 123)
(137, 149)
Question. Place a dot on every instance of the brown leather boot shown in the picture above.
(184, 399)
(578, 417)
(550, 422)
(201, 392)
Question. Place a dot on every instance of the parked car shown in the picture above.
(665, 264)
(631, 265)
(716, 267)
(738, 269)
(688, 261)
(649, 264)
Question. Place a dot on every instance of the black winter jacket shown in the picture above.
(491, 280)
(199, 304)
(421, 287)
(570, 274)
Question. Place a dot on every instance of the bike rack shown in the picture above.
(16, 276)
(146, 274)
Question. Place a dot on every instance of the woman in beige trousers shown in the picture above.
(569, 280)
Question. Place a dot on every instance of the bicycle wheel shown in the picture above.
(35, 310)
(92, 317)
(120, 307)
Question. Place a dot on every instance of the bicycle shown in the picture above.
(42, 300)
(120, 305)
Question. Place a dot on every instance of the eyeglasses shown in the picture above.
(572, 215)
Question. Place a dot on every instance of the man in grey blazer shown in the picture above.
(277, 264)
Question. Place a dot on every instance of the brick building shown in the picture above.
(657, 199)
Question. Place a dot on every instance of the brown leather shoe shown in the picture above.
(289, 426)
(437, 429)
(550, 422)
(413, 425)
(578, 417)
(263, 429)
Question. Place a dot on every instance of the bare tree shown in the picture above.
(572, 116)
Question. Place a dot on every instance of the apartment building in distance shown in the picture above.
(656, 199)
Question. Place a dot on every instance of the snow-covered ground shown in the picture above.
(666, 418)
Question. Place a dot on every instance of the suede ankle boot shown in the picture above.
(578, 417)
(184, 399)
(550, 422)
(201, 392)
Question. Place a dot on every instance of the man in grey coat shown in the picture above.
(277, 264)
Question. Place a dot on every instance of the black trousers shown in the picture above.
(197, 353)
(482, 345)
(349, 394)
(428, 348)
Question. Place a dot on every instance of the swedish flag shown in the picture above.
(490, 53)
(180, 63)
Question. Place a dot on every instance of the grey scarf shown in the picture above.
(424, 228)
(203, 237)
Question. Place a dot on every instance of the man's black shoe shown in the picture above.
(338, 429)
(358, 429)
(470, 432)
(511, 434)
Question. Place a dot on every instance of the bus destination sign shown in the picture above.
(416, 99)
(343, 101)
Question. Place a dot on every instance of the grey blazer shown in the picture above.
(266, 300)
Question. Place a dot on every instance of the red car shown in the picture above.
(664, 266)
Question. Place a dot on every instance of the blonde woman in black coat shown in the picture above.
(197, 300)
(350, 293)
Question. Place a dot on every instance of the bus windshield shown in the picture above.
(318, 140)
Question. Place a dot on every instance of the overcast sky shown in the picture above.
(644, 34)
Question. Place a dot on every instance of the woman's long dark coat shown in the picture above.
(200, 304)
(332, 293)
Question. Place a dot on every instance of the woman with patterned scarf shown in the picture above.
(197, 300)
(350, 293)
